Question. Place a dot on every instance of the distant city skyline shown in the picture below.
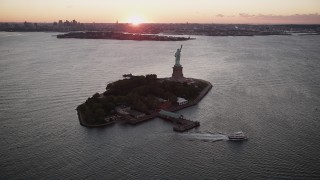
(164, 11)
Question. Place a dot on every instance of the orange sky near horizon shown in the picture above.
(164, 11)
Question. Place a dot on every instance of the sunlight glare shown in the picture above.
(135, 20)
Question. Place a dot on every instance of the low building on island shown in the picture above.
(127, 111)
(182, 101)
(170, 115)
(110, 119)
(123, 110)
(136, 114)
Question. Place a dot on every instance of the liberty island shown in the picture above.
(136, 99)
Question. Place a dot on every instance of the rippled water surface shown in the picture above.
(268, 87)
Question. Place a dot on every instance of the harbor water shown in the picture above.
(265, 86)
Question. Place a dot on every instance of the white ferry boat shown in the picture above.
(237, 136)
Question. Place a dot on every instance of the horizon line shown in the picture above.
(166, 23)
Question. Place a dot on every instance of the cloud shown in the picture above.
(314, 15)
(220, 15)
(246, 15)
(312, 18)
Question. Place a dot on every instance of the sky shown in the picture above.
(163, 11)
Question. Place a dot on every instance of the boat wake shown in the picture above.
(211, 137)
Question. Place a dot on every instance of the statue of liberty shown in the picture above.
(177, 55)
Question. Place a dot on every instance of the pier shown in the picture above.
(181, 124)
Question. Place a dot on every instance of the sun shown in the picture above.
(136, 20)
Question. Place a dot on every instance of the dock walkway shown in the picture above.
(180, 123)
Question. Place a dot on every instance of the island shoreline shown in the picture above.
(121, 36)
(194, 102)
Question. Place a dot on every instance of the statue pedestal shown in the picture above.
(177, 73)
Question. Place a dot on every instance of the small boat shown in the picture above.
(237, 136)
